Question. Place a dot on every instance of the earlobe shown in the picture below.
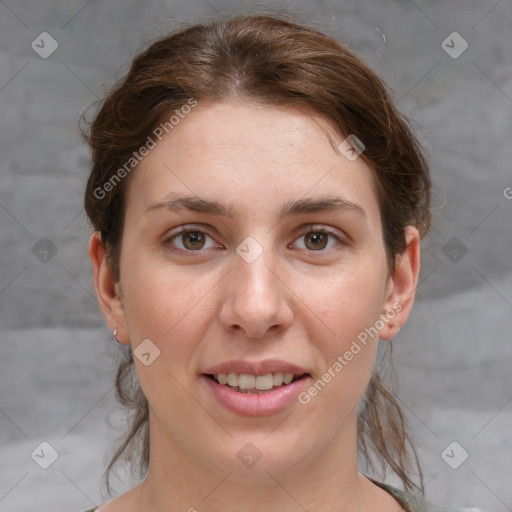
(402, 285)
(107, 290)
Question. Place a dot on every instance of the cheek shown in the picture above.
(157, 297)
(167, 308)
(345, 339)
(346, 306)
(170, 308)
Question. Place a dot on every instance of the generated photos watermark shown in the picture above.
(343, 360)
(351, 147)
(133, 161)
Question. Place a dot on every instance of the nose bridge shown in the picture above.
(256, 299)
(256, 281)
(255, 255)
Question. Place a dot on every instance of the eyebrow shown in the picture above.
(298, 207)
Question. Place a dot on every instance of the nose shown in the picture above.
(256, 300)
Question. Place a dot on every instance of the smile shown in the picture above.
(245, 397)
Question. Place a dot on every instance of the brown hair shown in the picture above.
(275, 61)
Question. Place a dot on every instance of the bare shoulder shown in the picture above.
(123, 503)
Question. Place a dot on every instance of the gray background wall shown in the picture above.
(453, 358)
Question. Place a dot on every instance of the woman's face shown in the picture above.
(281, 269)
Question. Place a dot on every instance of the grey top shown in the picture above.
(412, 504)
(409, 503)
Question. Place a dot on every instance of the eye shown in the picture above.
(195, 240)
(189, 240)
(318, 239)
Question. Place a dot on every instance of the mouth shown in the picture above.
(263, 392)
(255, 388)
(256, 384)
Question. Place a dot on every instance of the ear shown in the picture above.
(401, 288)
(107, 290)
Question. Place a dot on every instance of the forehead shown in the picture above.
(257, 156)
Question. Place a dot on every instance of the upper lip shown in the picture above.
(255, 367)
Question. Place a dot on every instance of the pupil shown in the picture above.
(196, 240)
(319, 240)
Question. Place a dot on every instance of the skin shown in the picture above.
(299, 302)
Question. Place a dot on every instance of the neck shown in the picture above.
(178, 479)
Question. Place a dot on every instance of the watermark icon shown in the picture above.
(44, 45)
(44, 455)
(343, 360)
(454, 249)
(44, 249)
(454, 45)
(249, 249)
(249, 455)
(351, 147)
(133, 161)
(454, 455)
(507, 192)
(146, 352)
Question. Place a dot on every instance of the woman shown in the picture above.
(258, 204)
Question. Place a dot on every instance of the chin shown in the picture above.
(251, 458)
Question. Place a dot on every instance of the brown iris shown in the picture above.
(193, 240)
(316, 240)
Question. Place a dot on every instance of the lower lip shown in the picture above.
(254, 404)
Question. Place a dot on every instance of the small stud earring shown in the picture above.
(115, 335)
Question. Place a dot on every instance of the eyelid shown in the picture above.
(186, 228)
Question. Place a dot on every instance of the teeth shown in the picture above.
(287, 378)
(264, 382)
(244, 381)
(277, 378)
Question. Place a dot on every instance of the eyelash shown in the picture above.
(185, 230)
